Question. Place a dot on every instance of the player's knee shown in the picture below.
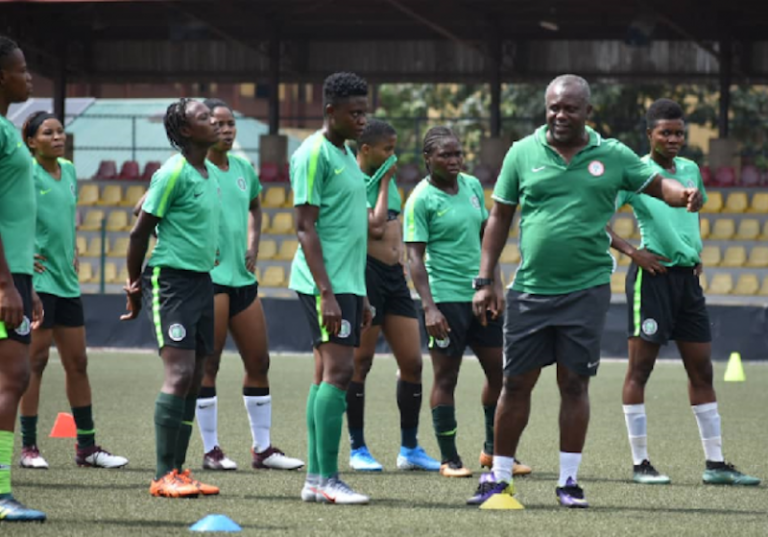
(515, 387)
(363, 365)
(212, 364)
(701, 377)
(411, 369)
(258, 366)
(339, 374)
(181, 377)
(640, 372)
(39, 361)
(446, 381)
(77, 365)
(574, 387)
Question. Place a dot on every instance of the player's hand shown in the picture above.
(649, 261)
(250, 260)
(698, 269)
(11, 306)
(38, 313)
(367, 314)
(39, 260)
(76, 264)
(331, 313)
(391, 172)
(693, 199)
(482, 302)
(499, 302)
(132, 301)
(437, 326)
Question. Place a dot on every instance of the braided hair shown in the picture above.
(433, 137)
(175, 119)
(7, 46)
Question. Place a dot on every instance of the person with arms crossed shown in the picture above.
(665, 302)
(55, 280)
(237, 307)
(328, 274)
(565, 177)
(394, 310)
(182, 205)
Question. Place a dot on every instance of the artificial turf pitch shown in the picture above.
(82, 501)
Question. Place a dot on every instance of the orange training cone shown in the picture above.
(64, 427)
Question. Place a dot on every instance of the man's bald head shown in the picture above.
(568, 107)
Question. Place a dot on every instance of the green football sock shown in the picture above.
(330, 405)
(28, 430)
(313, 466)
(6, 452)
(490, 415)
(86, 433)
(444, 421)
(169, 411)
(185, 432)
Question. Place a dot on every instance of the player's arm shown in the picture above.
(436, 325)
(642, 257)
(137, 251)
(377, 217)
(139, 204)
(254, 234)
(11, 305)
(497, 305)
(674, 194)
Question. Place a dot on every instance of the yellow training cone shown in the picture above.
(501, 501)
(735, 371)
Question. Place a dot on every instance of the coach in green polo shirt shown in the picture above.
(565, 177)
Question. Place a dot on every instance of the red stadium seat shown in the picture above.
(107, 170)
(150, 169)
(706, 175)
(129, 171)
(725, 176)
(269, 172)
(750, 175)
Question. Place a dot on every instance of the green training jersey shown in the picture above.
(55, 237)
(188, 206)
(329, 177)
(394, 201)
(450, 225)
(17, 200)
(239, 187)
(671, 232)
(564, 208)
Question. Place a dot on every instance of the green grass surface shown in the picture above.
(102, 502)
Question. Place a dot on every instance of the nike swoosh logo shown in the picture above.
(593, 364)
(441, 213)
(417, 394)
(201, 407)
(536, 170)
(261, 404)
(44, 192)
(359, 395)
(337, 172)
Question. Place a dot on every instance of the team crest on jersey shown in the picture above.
(72, 189)
(650, 327)
(24, 328)
(689, 184)
(241, 184)
(177, 332)
(596, 168)
(475, 202)
(443, 343)
(345, 330)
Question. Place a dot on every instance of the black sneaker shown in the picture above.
(644, 473)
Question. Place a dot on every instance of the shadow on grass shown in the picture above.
(85, 486)
(628, 509)
(160, 524)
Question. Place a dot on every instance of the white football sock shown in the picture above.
(259, 409)
(708, 419)
(206, 413)
(637, 430)
(569, 467)
(502, 468)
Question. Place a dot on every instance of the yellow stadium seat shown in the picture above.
(267, 249)
(132, 195)
(88, 194)
(764, 235)
(735, 256)
(110, 273)
(747, 284)
(623, 260)
(120, 248)
(111, 196)
(618, 280)
(764, 288)
(273, 277)
(759, 203)
(704, 227)
(287, 250)
(758, 257)
(723, 230)
(626, 208)
(736, 202)
(92, 220)
(714, 203)
(274, 197)
(624, 227)
(722, 284)
(703, 281)
(264, 222)
(514, 229)
(510, 254)
(749, 229)
(85, 275)
(117, 221)
(282, 224)
(710, 256)
(82, 245)
(94, 248)
(488, 194)
(123, 276)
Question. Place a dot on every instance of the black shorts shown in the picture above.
(240, 298)
(351, 319)
(180, 306)
(668, 306)
(62, 311)
(388, 291)
(23, 283)
(540, 330)
(466, 330)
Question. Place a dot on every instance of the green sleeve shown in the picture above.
(72, 169)
(478, 189)
(253, 180)
(416, 221)
(636, 174)
(162, 189)
(507, 189)
(308, 171)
